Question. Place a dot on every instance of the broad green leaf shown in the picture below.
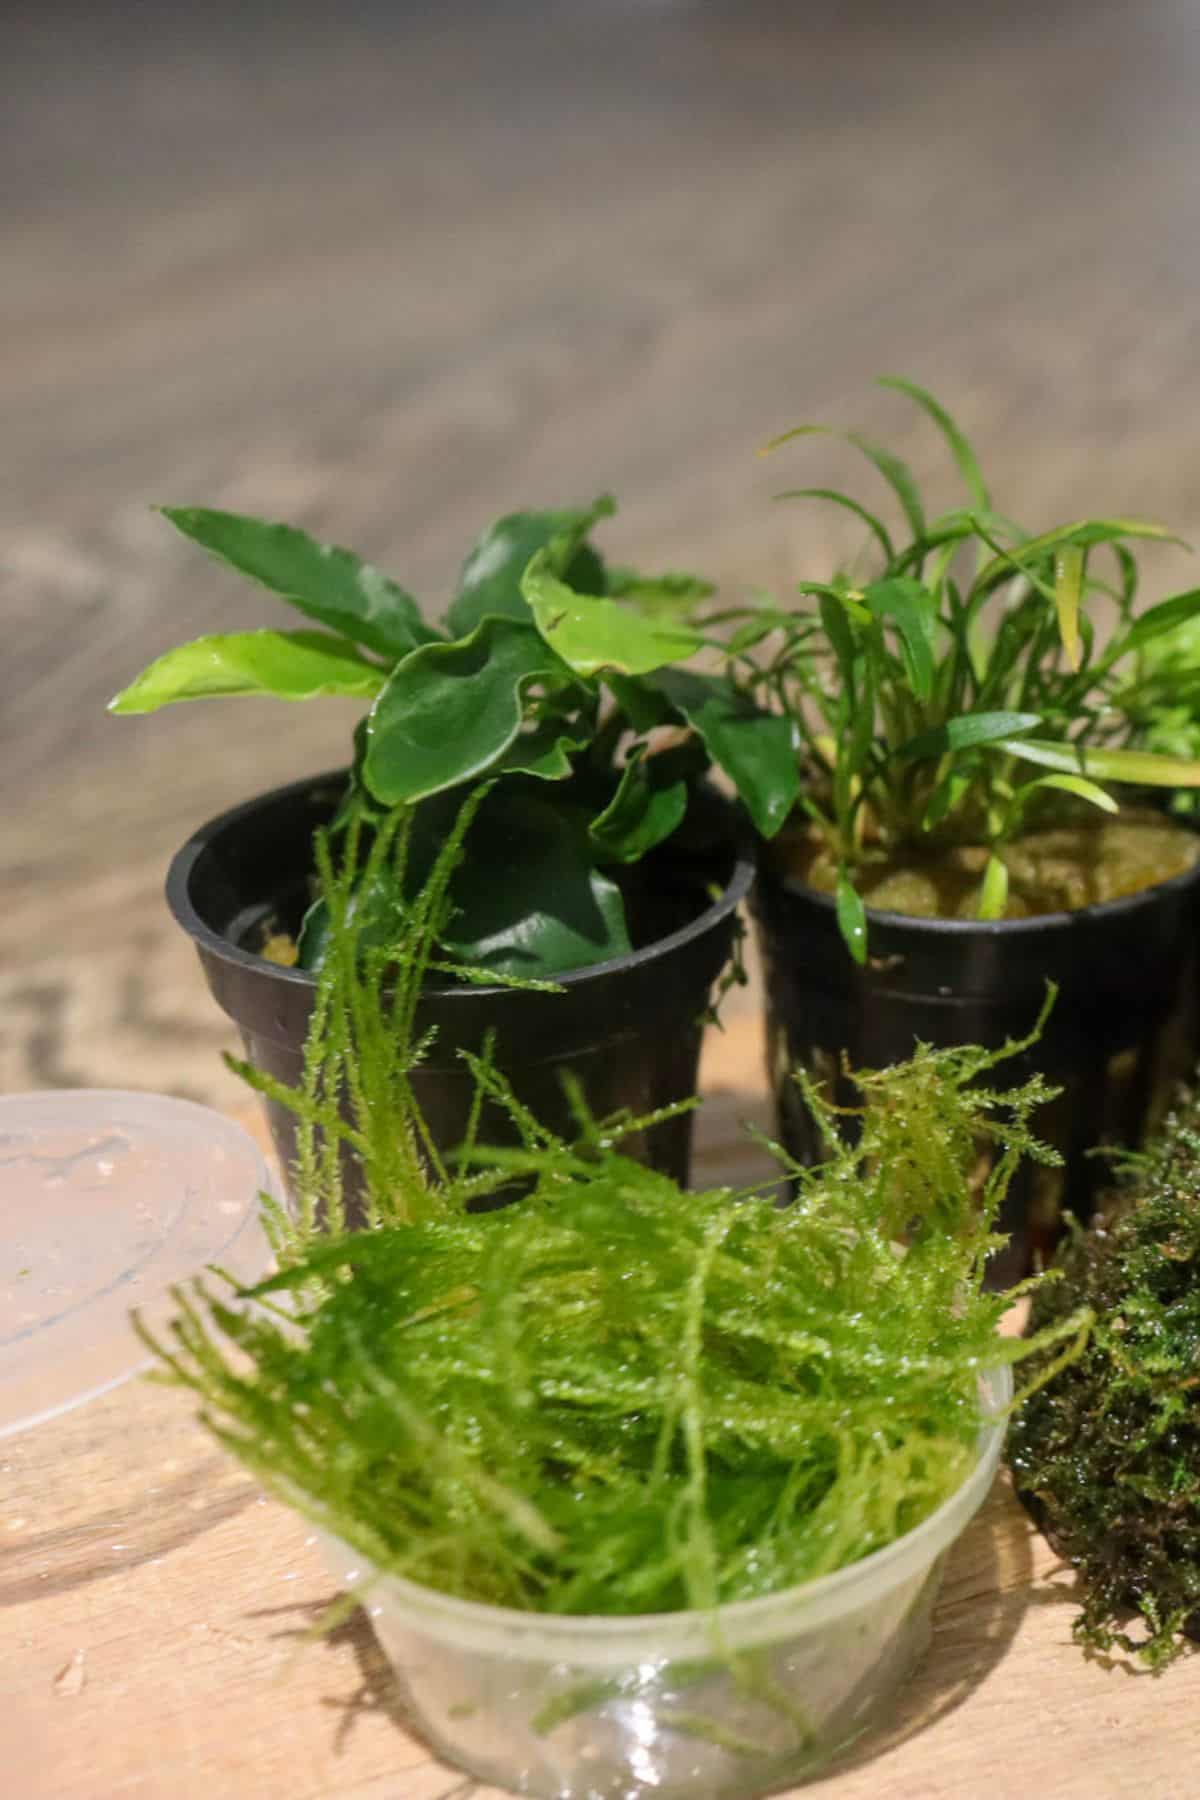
(646, 808)
(895, 472)
(1069, 562)
(851, 917)
(1143, 767)
(1168, 615)
(965, 732)
(993, 894)
(450, 711)
(753, 747)
(669, 591)
(960, 449)
(1075, 784)
(529, 898)
(1083, 532)
(290, 665)
(874, 526)
(545, 750)
(914, 611)
(489, 585)
(592, 634)
(331, 585)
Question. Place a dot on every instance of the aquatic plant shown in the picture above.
(1107, 1454)
(614, 1396)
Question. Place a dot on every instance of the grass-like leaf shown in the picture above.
(960, 449)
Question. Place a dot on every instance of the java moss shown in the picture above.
(1107, 1454)
(614, 1396)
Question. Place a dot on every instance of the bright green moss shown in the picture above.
(614, 1396)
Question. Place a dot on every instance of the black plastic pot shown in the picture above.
(628, 1029)
(1120, 1036)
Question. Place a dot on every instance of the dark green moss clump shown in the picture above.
(1107, 1454)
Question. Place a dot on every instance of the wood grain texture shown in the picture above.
(389, 270)
(154, 1606)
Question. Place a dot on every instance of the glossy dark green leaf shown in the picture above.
(965, 732)
(895, 472)
(592, 634)
(646, 808)
(329, 584)
(490, 582)
(290, 665)
(753, 747)
(450, 711)
(530, 900)
(851, 917)
(960, 449)
(912, 609)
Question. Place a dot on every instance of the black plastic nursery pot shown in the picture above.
(1122, 1033)
(628, 1029)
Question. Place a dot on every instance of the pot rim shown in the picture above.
(601, 1639)
(183, 864)
(1060, 921)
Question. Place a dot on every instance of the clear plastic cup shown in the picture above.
(681, 1706)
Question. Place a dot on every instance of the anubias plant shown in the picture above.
(957, 688)
(553, 676)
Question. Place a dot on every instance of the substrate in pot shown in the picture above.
(1121, 1034)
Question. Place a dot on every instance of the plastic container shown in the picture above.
(681, 1706)
(1121, 1035)
(108, 1200)
(629, 1028)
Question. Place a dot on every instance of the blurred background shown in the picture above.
(387, 270)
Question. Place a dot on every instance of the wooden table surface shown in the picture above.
(154, 1606)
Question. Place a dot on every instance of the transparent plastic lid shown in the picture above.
(107, 1199)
